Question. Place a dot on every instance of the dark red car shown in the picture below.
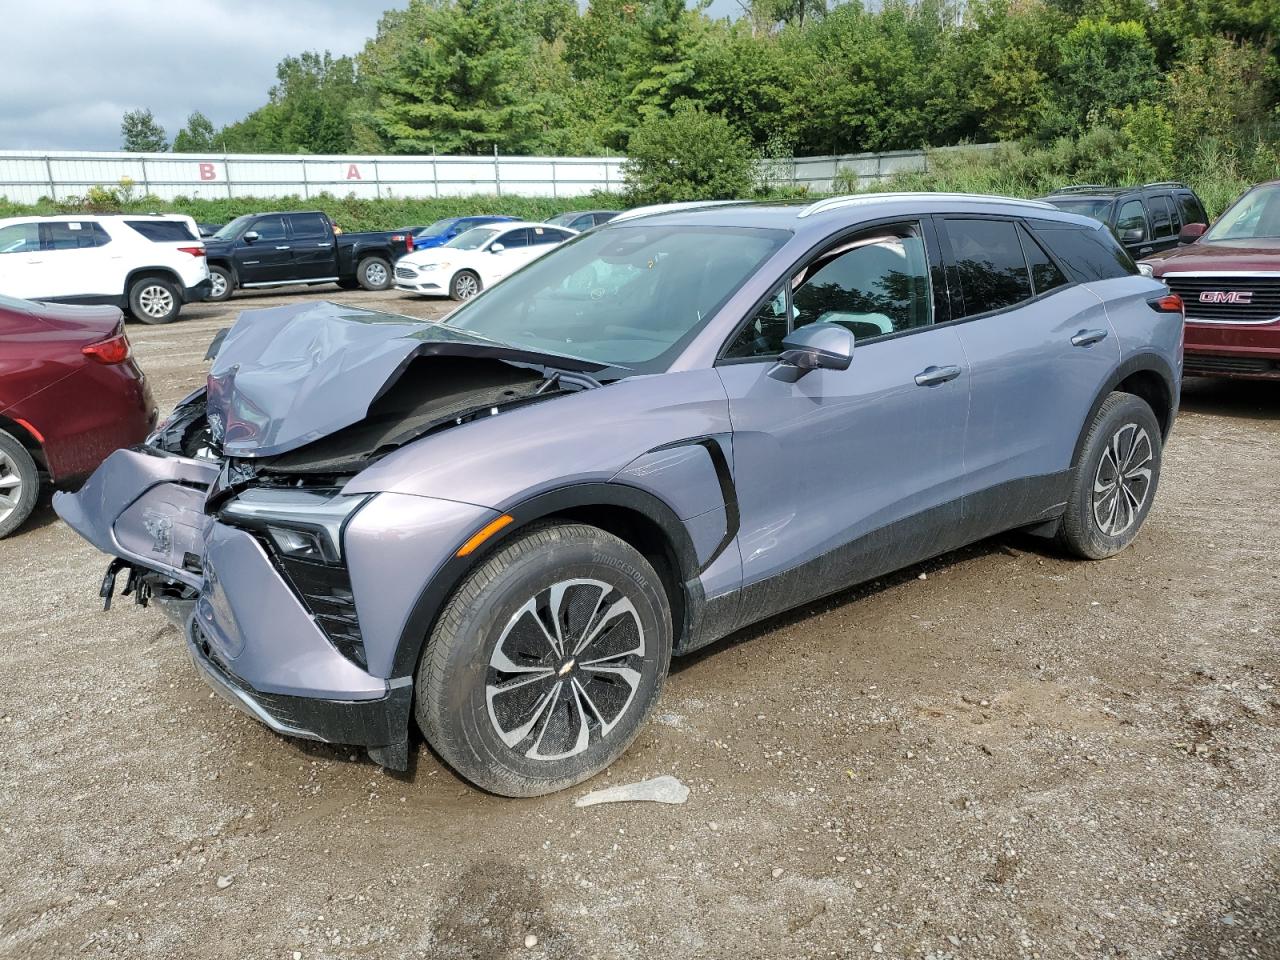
(70, 394)
(1229, 278)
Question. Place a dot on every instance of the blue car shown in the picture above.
(442, 231)
(501, 526)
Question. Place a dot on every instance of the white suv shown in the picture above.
(148, 265)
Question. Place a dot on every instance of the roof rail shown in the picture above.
(668, 208)
(1167, 183)
(856, 199)
(1077, 187)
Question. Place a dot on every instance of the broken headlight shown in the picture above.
(303, 529)
(302, 524)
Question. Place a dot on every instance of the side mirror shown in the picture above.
(250, 237)
(496, 248)
(817, 346)
(1146, 269)
(1192, 232)
(1132, 235)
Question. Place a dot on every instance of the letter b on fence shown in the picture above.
(208, 172)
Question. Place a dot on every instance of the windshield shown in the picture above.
(628, 296)
(229, 231)
(438, 229)
(472, 239)
(1255, 216)
(1086, 208)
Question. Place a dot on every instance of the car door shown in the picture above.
(80, 261)
(1132, 228)
(262, 253)
(315, 251)
(847, 474)
(24, 269)
(1039, 347)
(515, 250)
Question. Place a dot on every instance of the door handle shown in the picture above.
(282, 248)
(1087, 338)
(932, 376)
(326, 244)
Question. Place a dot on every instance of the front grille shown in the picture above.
(325, 589)
(1200, 363)
(404, 273)
(1228, 299)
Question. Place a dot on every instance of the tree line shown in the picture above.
(789, 76)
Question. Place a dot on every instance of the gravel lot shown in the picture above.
(1002, 753)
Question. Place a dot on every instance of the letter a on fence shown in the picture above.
(353, 172)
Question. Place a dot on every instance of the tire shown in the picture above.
(224, 284)
(154, 300)
(19, 484)
(1103, 516)
(374, 273)
(523, 738)
(464, 285)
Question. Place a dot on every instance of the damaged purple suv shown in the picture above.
(503, 525)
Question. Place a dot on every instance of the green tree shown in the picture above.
(452, 77)
(198, 136)
(689, 155)
(1105, 66)
(140, 132)
(313, 108)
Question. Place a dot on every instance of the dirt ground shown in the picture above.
(1018, 755)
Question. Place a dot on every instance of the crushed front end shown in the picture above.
(294, 598)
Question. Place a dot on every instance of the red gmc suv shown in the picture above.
(1229, 278)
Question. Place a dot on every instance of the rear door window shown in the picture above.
(989, 261)
(1190, 209)
(20, 238)
(1086, 254)
(545, 235)
(1162, 223)
(1132, 216)
(1045, 275)
(309, 226)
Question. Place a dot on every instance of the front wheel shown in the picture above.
(546, 661)
(221, 284)
(464, 285)
(154, 300)
(374, 273)
(1114, 482)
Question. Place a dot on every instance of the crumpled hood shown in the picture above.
(286, 376)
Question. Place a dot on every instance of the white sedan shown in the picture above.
(477, 259)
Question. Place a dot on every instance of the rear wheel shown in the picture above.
(222, 284)
(1114, 483)
(19, 484)
(464, 285)
(374, 273)
(154, 300)
(546, 662)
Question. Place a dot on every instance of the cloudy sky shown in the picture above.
(83, 63)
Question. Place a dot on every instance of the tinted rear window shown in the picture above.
(1161, 217)
(1190, 208)
(162, 231)
(988, 256)
(1089, 254)
(1086, 208)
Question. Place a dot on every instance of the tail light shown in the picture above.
(114, 349)
(1169, 303)
(405, 238)
(194, 251)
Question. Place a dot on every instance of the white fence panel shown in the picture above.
(26, 176)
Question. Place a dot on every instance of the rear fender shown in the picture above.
(147, 509)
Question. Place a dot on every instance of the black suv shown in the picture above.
(1146, 219)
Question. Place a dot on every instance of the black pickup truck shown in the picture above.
(279, 249)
